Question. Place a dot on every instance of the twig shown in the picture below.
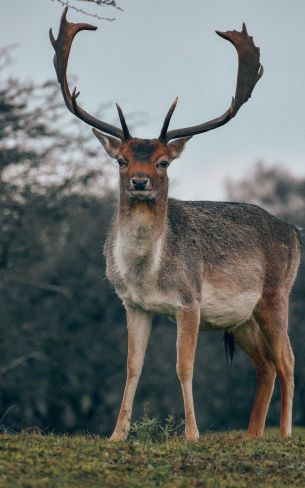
(66, 3)
(42, 286)
(19, 362)
(6, 413)
(105, 3)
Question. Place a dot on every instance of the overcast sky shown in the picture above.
(156, 50)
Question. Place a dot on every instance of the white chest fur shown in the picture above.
(137, 257)
(137, 250)
(139, 272)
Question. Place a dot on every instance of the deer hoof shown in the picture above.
(192, 436)
(118, 436)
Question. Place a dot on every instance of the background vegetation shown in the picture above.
(63, 337)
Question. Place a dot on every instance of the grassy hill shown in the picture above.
(218, 460)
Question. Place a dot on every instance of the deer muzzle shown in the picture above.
(140, 186)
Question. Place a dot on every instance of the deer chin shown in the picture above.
(142, 194)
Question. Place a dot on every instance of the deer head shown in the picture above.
(143, 162)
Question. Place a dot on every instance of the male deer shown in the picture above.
(205, 265)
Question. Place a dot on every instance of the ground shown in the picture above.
(218, 460)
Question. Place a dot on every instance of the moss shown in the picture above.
(218, 460)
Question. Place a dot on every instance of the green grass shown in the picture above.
(217, 460)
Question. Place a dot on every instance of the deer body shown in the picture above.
(204, 256)
(224, 260)
(205, 265)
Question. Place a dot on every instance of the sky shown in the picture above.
(157, 50)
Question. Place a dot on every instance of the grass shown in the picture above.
(161, 458)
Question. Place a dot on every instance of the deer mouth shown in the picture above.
(148, 194)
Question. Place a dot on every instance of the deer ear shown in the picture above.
(112, 145)
(176, 146)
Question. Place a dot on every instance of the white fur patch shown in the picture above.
(137, 246)
(224, 308)
(149, 298)
(119, 256)
(129, 250)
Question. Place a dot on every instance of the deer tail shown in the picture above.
(229, 343)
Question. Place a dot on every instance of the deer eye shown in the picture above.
(164, 164)
(121, 162)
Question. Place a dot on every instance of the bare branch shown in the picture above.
(42, 286)
(105, 3)
(19, 362)
(66, 3)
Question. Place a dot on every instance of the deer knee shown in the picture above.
(184, 372)
(285, 367)
(134, 368)
(286, 371)
(290, 359)
(266, 375)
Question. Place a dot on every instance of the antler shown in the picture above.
(249, 72)
(62, 46)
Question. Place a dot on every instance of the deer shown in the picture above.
(205, 265)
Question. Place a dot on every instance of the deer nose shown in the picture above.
(139, 182)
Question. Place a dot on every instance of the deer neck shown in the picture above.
(140, 237)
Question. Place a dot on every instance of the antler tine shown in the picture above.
(162, 136)
(123, 123)
(62, 46)
(249, 72)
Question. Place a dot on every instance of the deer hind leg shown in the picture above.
(139, 327)
(272, 318)
(251, 341)
(187, 332)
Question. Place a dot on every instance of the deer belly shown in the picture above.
(221, 308)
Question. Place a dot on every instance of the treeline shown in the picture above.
(63, 341)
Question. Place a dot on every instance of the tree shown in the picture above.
(47, 179)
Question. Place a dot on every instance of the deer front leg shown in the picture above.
(138, 326)
(188, 319)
